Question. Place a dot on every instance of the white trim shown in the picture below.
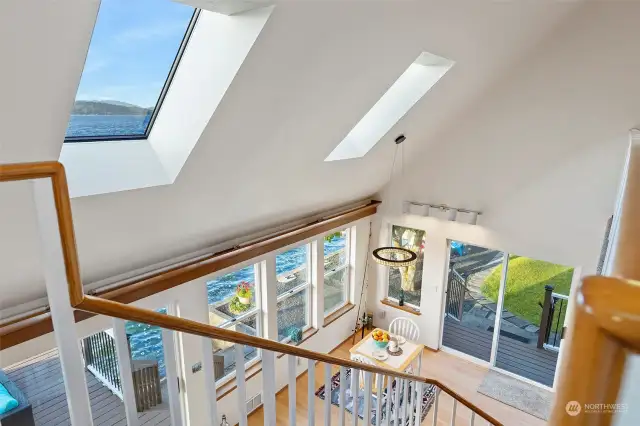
(210, 382)
(466, 357)
(172, 376)
(501, 291)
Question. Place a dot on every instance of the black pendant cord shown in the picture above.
(365, 285)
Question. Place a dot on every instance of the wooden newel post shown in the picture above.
(546, 317)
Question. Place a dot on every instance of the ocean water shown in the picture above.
(107, 125)
(146, 340)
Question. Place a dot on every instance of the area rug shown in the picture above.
(526, 397)
(428, 396)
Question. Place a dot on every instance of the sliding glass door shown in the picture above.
(469, 313)
(533, 312)
(506, 310)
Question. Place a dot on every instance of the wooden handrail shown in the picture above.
(96, 305)
(110, 308)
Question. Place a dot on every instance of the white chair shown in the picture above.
(364, 360)
(404, 327)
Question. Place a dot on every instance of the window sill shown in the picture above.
(408, 309)
(305, 336)
(228, 387)
(337, 314)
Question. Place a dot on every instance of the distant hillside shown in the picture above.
(108, 108)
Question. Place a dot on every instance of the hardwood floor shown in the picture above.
(463, 376)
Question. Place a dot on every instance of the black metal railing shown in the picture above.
(554, 308)
(456, 290)
(101, 359)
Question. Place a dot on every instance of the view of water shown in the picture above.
(146, 340)
(107, 125)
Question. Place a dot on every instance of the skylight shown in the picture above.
(134, 51)
(412, 85)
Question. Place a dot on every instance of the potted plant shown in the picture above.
(243, 291)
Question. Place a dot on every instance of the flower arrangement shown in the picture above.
(244, 292)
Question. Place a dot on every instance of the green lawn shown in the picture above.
(526, 279)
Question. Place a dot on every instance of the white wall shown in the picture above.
(259, 161)
(541, 155)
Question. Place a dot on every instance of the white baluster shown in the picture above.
(292, 390)
(420, 389)
(405, 401)
(171, 370)
(343, 387)
(327, 389)
(379, 382)
(453, 412)
(311, 379)
(367, 398)
(269, 379)
(240, 383)
(473, 418)
(124, 362)
(355, 385)
(396, 405)
(210, 381)
(389, 399)
(64, 325)
(413, 390)
(435, 407)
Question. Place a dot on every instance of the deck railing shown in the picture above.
(552, 319)
(456, 292)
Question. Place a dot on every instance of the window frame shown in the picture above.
(394, 299)
(347, 266)
(306, 285)
(165, 88)
(257, 312)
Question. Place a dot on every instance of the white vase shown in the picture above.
(244, 300)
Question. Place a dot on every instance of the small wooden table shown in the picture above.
(410, 351)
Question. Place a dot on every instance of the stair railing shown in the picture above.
(54, 211)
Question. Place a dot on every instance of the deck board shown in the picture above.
(517, 357)
(40, 379)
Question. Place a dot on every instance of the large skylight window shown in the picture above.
(134, 51)
(412, 85)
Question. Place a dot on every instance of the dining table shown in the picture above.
(411, 351)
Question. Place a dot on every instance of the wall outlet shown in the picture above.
(382, 314)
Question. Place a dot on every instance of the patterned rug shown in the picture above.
(428, 396)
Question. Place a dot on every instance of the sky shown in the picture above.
(132, 49)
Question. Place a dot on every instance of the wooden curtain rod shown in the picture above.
(39, 323)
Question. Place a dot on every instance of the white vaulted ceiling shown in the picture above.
(316, 68)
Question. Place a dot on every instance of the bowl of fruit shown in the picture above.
(380, 338)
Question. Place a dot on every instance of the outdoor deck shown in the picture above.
(520, 358)
(40, 378)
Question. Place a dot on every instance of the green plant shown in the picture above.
(236, 307)
(244, 290)
(330, 237)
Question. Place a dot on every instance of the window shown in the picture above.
(407, 282)
(292, 269)
(336, 271)
(134, 51)
(234, 304)
(409, 88)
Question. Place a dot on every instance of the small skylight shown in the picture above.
(412, 85)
